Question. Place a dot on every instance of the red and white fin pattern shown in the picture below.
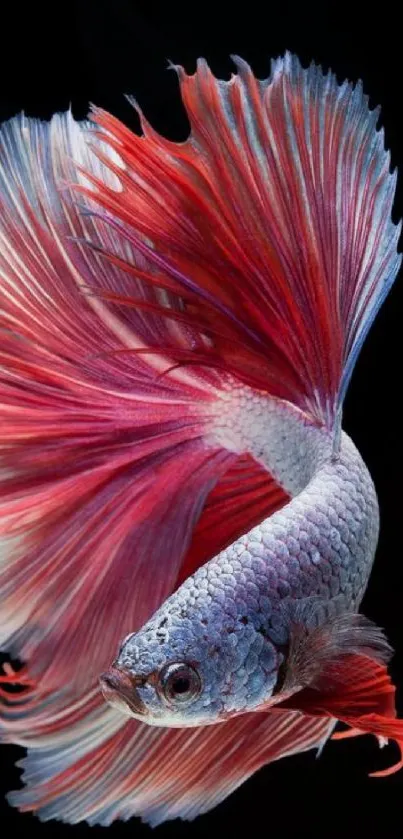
(106, 466)
(272, 222)
(261, 248)
(105, 771)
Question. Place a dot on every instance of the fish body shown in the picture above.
(187, 532)
(232, 617)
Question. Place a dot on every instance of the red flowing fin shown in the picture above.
(105, 770)
(272, 224)
(105, 465)
(242, 498)
(106, 452)
(13, 678)
(355, 732)
(344, 682)
(359, 692)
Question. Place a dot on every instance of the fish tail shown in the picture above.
(105, 457)
(106, 453)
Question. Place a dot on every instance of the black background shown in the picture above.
(97, 50)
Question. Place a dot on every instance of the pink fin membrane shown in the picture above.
(138, 276)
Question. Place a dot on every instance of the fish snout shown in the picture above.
(119, 689)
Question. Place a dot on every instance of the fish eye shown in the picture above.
(179, 683)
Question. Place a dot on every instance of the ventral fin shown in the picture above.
(341, 668)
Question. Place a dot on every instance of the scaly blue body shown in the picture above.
(231, 619)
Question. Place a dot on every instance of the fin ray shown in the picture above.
(277, 211)
(105, 450)
(142, 778)
(357, 690)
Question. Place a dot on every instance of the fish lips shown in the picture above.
(119, 689)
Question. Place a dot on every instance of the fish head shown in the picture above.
(191, 666)
(197, 662)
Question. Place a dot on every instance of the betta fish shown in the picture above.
(187, 532)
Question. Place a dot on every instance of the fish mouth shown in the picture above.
(119, 689)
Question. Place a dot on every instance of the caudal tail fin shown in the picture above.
(105, 447)
(106, 463)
